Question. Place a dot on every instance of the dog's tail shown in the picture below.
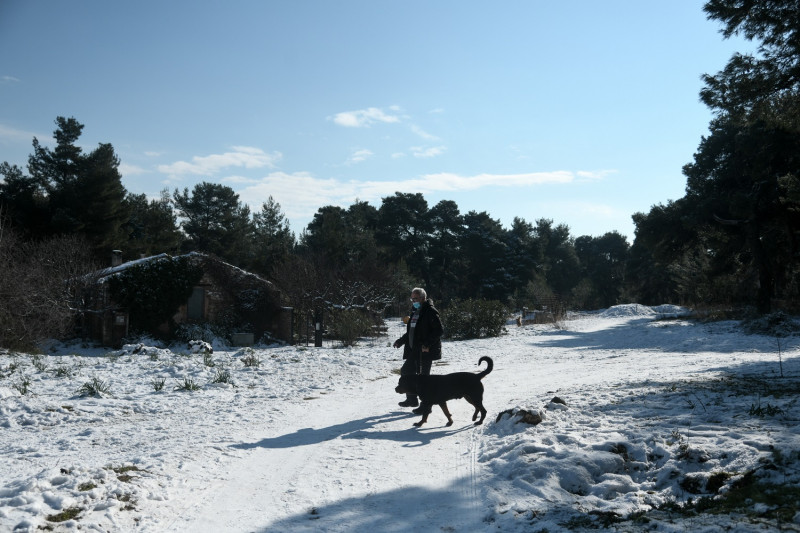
(489, 366)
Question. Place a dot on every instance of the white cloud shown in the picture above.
(359, 156)
(300, 194)
(130, 170)
(432, 151)
(8, 79)
(13, 134)
(594, 174)
(424, 134)
(238, 179)
(453, 182)
(363, 118)
(240, 156)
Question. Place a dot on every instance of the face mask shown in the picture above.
(416, 305)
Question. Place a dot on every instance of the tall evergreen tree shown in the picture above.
(735, 185)
(446, 262)
(749, 82)
(560, 265)
(403, 231)
(603, 262)
(741, 172)
(152, 226)
(362, 220)
(522, 251)
(73, 192)
(101, 211)
(215, 221)
(484, 250)
(325, 237)
(24, 202)
(735, 233)
(272, 238)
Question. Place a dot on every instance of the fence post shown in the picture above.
(318, 328)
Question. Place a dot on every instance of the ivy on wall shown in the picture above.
(153, 291)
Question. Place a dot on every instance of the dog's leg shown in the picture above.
(426, 410)
(473, 404)
(479, 408)
(483, 415)
(443, 405)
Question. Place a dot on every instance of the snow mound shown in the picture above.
(669, 310)
(639, 310)
(140, 349)
(628, 310)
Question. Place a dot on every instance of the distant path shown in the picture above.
(330, 466)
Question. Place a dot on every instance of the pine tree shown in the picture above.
(273, 241)
(72, 192)
(216, 222)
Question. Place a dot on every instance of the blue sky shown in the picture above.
(581, 111)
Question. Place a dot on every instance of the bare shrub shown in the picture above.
(39, 284)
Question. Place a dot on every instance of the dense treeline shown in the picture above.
(732, 240)
(381, 250)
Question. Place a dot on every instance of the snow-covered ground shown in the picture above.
(656, 414)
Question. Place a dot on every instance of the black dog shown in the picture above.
(436, 390)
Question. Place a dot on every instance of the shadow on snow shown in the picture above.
(363, 428)
(400, 510)
(663, 336)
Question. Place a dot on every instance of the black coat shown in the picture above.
(428, 333)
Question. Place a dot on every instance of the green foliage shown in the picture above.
(402, 227)
(215, 221)
(69, 513)
(272, 238)
(223, 376)
(152, 227)
(158, 384)
(23, 386)
(95, 387)
(446, 260)
(769, 410)
(204, 331)
(250, 359)
(603, 263)
(777, 324)
(9, 370)
(83, 192)
(39, 363)
(472, 319)
(153, 291)
(732, 239)
(188, 385)
(760, 502)
(63, 371)
(484, 250)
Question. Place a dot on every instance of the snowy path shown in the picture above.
(313, 440)
(322, 466)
